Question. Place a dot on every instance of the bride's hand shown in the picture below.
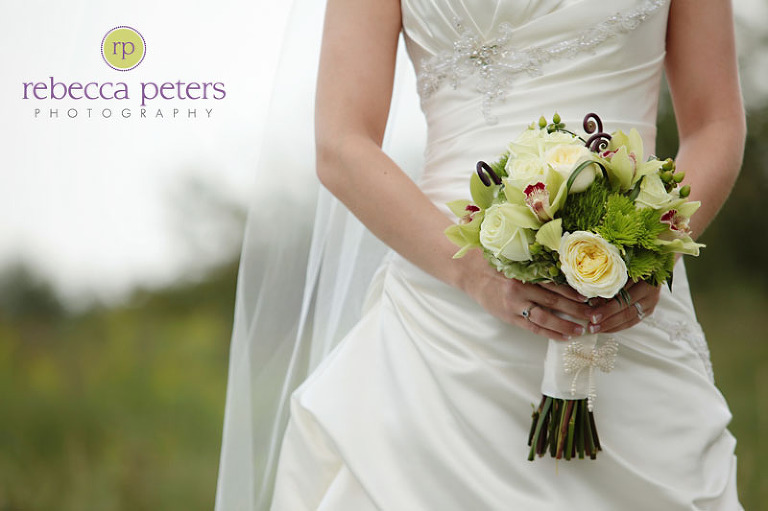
(508, 298)
(615, 315)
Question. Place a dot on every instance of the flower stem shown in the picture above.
(565, 428)
(553, 429)
(546, 404)
(535, 419)
(590, 437)
(581, 429)
(594, 431)
(569, 450)
(562, 440)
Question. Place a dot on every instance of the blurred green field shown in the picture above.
(121, 409)
(115, 409)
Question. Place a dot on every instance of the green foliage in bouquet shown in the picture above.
(635, 231)
(544, 266)
(585, 211)
(500, 166)
(650, 266)
(625, 225)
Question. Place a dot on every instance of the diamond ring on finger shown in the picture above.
(527, 311)
(640, 311)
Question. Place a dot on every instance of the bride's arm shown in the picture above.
(353, 97)
(704, 82)
(703, 78)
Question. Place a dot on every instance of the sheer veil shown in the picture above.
(297, 295)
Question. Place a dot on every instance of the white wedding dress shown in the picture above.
(426, 403)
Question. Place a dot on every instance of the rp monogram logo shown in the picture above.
(123, 48)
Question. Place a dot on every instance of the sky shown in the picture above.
(90, 201)
(101, 205)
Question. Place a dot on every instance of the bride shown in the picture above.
(424, 405)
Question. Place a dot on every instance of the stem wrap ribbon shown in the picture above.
(576, 359)
(569, 367)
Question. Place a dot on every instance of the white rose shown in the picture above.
(536, 142)
(565, 158)
(527, 144)
(591, 265)
(502, 232)
(558, 138)
(525, 171)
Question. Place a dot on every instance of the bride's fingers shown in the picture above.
(541, 321)
(637, 291)
(627, 318)
(565, 291)
(642, 305)
(555, 301)
(599, 301)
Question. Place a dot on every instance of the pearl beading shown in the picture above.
(497, 62)
(576, 360)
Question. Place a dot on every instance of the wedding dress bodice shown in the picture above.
(488, 68)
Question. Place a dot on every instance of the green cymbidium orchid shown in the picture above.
(688, 208)
(544, 198)
(550, 234)
(465, 234)
(678, 237)
(624, 160)
(482, 195)
(684, 245)
(653, 194)
(462, 207)
(520, 216)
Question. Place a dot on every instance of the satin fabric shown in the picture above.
(426, 403)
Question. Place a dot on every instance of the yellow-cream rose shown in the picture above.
(565, 158)
(507, 231)
(591, 265)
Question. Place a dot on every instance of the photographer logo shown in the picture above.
(123, 48)
(88, 97)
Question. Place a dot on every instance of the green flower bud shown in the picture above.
(685, 191)
(556, 119)
(553, 271)
(542, 122)
(666, 176)
(669, 164)
(678, 177)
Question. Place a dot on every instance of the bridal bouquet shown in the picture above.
(586, 211)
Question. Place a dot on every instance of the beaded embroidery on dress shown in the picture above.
(687, 332)
(497, 61)
(423, 405)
